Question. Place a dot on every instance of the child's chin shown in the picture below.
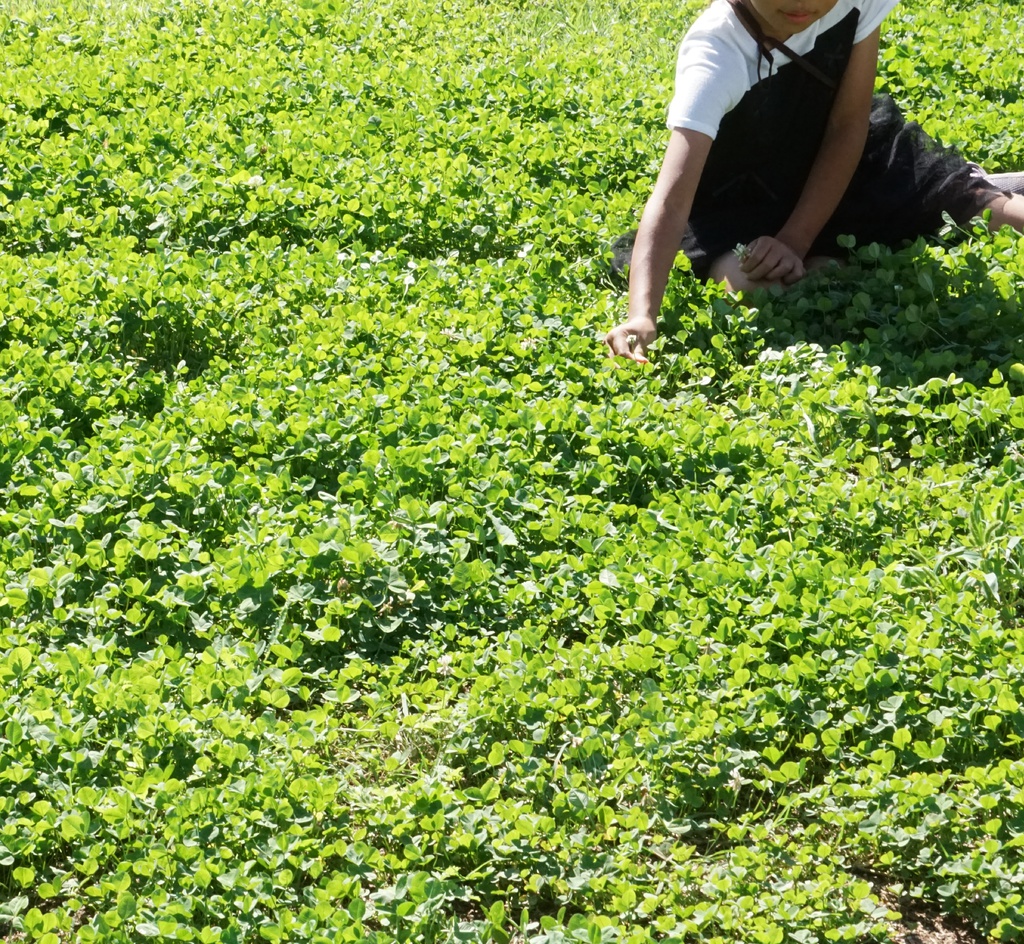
(799, 23)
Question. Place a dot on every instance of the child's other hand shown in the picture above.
(768, 259)
(631, 339)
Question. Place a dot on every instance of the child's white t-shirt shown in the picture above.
(718, 59)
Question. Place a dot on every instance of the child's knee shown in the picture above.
(726, 269)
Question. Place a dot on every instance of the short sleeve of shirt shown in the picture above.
(711, 78)
(872, 12)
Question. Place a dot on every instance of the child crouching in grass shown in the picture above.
(779, 146)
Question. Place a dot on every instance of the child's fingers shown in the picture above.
(795, 275)
(771, 266)
(770, 260)
(763, 257)
(627, 342)
(754, 255)
(763, 271)
(788, 270)
(616, 344)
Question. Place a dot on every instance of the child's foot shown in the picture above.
(1007, 210)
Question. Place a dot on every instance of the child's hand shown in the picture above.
(632, 339)
(768, 259)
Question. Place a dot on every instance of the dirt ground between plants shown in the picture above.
(922, 925)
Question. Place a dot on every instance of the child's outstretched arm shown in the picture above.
(780, 258)
(657, 242)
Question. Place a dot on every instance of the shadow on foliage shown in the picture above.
(905, 313)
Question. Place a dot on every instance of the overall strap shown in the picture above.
(766, 43)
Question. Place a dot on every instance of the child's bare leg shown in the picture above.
(726, 269)
(1007, 211)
